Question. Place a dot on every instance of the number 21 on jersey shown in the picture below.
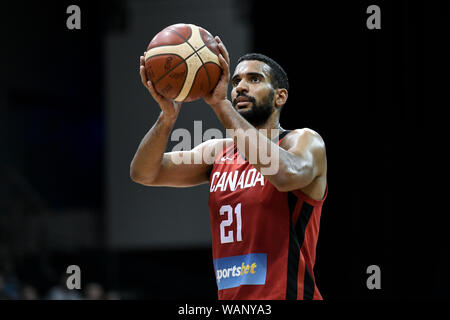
(228, 237)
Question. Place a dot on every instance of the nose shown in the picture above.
(241, 87)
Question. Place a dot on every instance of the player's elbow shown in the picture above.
(138, 177)
(294, 180)
(134, 176)
(284, 185)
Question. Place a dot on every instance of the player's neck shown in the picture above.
(272, 127)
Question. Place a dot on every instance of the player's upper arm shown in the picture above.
(188, 168)
(305, 161)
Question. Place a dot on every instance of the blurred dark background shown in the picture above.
(73, 113)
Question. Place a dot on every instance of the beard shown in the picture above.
(258, 114)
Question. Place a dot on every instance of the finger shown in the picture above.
(223, 50)
(150, 88)
(225, 55)
(225, 67)
(143, 75)
(152, 91)
(159, 98)
(142, 60)
(221, 46)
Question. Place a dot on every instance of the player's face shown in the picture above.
(253, 94)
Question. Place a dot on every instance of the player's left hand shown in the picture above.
(219, 94)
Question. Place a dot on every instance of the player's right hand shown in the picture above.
(170, 108)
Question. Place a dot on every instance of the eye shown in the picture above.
(235, 82)
(255, 79)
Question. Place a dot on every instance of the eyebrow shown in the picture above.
(249, 74)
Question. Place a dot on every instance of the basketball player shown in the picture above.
(264, 226)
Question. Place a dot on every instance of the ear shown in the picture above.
(281, 96)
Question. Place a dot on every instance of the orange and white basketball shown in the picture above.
(182, 62)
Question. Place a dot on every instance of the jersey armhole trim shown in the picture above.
(310, 200)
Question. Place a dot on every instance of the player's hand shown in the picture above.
(170, 108)
(219, 93)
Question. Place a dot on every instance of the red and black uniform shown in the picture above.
(263, 240)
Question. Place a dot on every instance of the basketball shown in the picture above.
(182, 62)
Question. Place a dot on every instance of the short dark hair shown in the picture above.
(277, 74)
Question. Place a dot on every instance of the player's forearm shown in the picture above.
(266, 156)
(229, 117)
(148, 158)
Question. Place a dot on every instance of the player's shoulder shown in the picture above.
(216, 142)
(214, 146)
(309, 140)
(220, 142)
(307, 135)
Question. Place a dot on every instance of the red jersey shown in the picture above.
(263, 240)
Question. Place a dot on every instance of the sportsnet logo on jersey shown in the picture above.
(238, 270)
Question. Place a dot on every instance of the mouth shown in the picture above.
(242, 102)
